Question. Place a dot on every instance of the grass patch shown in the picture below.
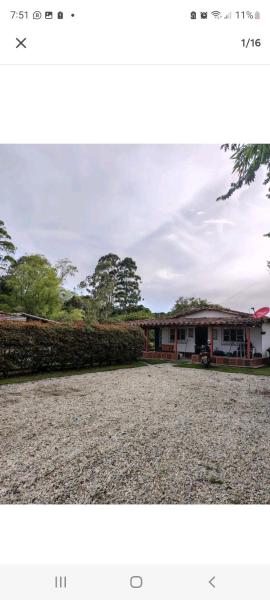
(261, 371)
(55, 374)
(216, 481)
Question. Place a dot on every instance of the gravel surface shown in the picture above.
(157, 434)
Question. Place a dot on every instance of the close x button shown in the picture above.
(21, 43)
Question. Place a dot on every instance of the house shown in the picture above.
(24, 317)
(234, 337)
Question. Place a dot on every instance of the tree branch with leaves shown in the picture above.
(247, 159)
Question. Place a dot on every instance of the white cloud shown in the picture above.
(167, 274)
(218, 222)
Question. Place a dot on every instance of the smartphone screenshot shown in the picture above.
(134, 300)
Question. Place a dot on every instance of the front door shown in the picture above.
(201, 338)
(158, 339)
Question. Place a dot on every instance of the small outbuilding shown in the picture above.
(25, 317)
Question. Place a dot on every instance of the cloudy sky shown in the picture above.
(156, 204)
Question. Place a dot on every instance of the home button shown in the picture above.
(136, 581)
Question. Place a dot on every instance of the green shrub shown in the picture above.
(34, 347)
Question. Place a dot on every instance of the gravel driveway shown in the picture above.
(156, 434)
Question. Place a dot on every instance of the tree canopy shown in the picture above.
(101, 284)
(113, 285)
(184, 303)
(127, 293)
(34, 286)
(31, 284)
(65, 269)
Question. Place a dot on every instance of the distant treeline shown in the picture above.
(111, 293)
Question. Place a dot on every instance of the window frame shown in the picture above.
(171, 335)
(179, 338)
(182, 339)
(238, 332)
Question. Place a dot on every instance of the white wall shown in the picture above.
(207, 313)
(165, 335)
(260, 342)
(256, 338)
(187, 346)
(265, 339)
(219, 344)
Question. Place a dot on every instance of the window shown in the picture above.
(215, 334)
(233, 335)
(190, 332)
(240, 335)
(182, 335)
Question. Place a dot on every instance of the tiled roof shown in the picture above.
(233, 321)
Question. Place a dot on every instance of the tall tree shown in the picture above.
(7, 249)
(127, 293)
(65, 269)
(34, 286)
(102, 284)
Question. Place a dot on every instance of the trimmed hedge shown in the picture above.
(35, 347)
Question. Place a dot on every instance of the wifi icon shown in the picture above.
(216, 14)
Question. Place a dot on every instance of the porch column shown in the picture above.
(248, 341)
(211, 341)
(175, 340)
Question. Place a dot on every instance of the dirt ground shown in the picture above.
(157, 434)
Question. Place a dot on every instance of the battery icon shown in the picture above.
(60, 15)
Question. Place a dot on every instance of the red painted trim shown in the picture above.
(175, 340)
(248, 341)
(233, 361)
(167, 355)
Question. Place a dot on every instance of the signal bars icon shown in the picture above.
(218, 15)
